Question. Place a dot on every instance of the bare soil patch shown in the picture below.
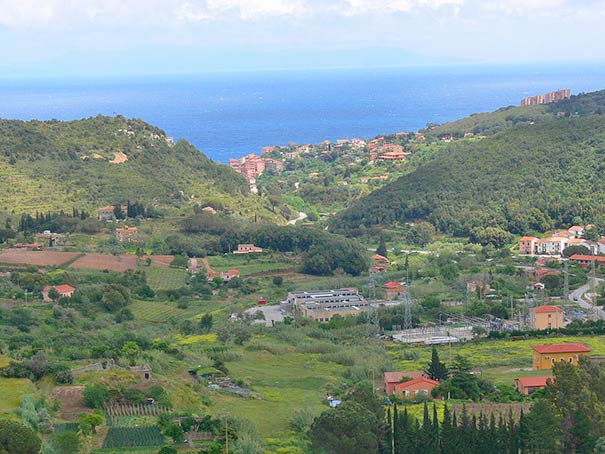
(119, 157)
(106, 262)
(16, 256)
(72, 402)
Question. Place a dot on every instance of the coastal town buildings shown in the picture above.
(547, 317)
(546, 98)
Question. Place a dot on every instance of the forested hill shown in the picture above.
(490, 123)
(531, 176)
(53, 165)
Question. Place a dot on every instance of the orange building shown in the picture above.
(416, 386)
(392, 379)
(547, 317)
(528, 385)
(547, 355)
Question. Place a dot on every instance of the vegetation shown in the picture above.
(51, 165)
(474, 186)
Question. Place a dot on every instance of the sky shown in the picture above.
(121, 37)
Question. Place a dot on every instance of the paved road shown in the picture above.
(579, 296)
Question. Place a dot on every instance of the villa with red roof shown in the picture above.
(586, 260)
(547, 317)
(391, 379)
(545, 356)
(64, 290)
(418, 385)
(528, 385)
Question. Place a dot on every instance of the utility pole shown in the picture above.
(593, 292)
(566, 283)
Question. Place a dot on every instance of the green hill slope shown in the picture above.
(98, 161)
(530, 176)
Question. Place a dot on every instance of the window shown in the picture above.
(570, 359)
(552, 360)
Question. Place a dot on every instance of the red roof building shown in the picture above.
(415, 386)
(545, 356)
(528, 385)
(586, 260)
(391, 379)
(64, 290)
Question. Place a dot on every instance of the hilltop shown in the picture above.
(533, 175)
(54, 165)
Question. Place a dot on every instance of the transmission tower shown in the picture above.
(407, 311)
(372, 286)
(373, 324)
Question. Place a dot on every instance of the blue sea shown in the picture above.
(231, 114)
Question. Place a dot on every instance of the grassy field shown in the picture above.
(250, 263)
(286, 382)
(499, 360)
(11, 391)
(154, 311)
(166, 278)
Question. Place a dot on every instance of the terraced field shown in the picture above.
(166, 278)
(152, 311)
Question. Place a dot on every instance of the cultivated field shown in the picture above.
(166, 278)
(16, 256)
(161, 261)
(106, 262)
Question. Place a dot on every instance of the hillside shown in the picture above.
(490, 123)
(89, 163)
(530, 176)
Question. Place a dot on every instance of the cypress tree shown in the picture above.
(446, 439)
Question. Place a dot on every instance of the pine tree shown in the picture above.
(382, 247)
(436, 370)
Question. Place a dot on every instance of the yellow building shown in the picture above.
(547, 317)
(547, 355)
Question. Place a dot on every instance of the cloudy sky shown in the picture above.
(74, 37)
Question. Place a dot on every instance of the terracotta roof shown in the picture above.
(415, 381)
(395, 377)
(392, 284)
(597, 258)
(561, 348)
(528, 238)
(541, 309)
(531, 382)
(61, 289)
(232, 272)
(575, 228)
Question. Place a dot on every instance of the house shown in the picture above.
(418, 385)
(108, 213)
(547, 355)
(576, 231)
(380, 259)
(51, 238)
(586, 260)
(528, 245)
(247, 249)
(528, 385)
(537, 275)
(64, 290)
(552, 246)
(393, 156)
(391, 379)
(126, 234)
(228, 275)
(547, 317)
(393, 290)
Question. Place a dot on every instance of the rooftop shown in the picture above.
(530, 382)
(542, 309)
(562, 348)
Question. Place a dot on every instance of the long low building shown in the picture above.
(322, 305)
